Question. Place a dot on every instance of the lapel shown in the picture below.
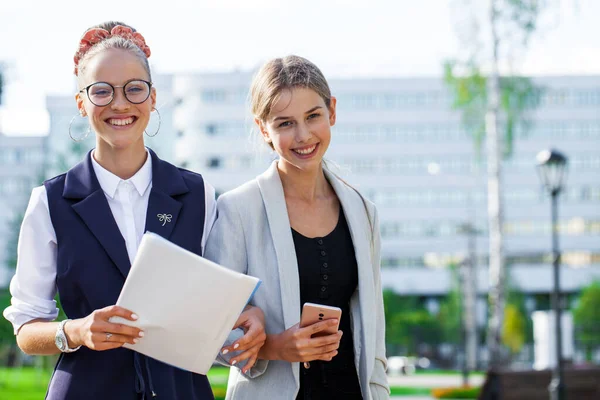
(271, 190)
(163, 209)
(81, 184)
(360, 231)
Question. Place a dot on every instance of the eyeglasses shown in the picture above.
(102, 94)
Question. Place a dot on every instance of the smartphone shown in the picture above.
(313, 313)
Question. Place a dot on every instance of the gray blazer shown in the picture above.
(252, 235)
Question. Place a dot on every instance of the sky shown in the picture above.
(345, 38)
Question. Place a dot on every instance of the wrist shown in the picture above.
(269, 351)
(71, 332)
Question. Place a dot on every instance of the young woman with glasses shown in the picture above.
(82, 229)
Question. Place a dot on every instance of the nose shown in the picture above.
(119, 102)
(303, 133)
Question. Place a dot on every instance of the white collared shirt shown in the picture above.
(33, 287)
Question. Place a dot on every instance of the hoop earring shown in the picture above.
(157, 129)
(87, 132)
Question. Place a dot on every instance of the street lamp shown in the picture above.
(551, 167)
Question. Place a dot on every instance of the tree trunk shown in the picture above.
(496, 256)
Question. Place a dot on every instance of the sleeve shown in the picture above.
(210, 211)
(226, 246)
(378, 383)
(33, 286)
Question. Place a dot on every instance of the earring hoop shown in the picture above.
(87, 132)
(157, 129)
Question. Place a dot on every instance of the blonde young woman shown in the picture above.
(310, 237)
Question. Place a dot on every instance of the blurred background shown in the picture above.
(443, 106)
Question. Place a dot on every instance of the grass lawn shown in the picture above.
(30, 384)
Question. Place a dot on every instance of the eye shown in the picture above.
(284, 124)
(313, 115)
(134, 89)
(101, 92)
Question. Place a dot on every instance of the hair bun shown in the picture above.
(93, 36)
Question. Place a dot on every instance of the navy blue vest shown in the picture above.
(92, 265)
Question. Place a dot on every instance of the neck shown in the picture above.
(124, 163)
(307, 185)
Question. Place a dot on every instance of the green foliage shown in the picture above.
(513, 329)
(516, 298)
(449, 317)
(469, 90)
(450, 313)
(408, 323)
(517, 327)
(587, 318)
(6, 330)
(522, 15)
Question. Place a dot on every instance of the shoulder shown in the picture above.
(190, 177)
(59, 179)
(346, 189)
(244, 193)
(53, 185)
(245, 201)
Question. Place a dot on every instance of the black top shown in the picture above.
(329, 275)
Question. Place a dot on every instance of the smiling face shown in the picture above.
(120, 124)
(299, 128)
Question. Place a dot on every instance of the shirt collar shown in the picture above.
(109, 182)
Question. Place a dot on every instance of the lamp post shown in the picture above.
(551, 167)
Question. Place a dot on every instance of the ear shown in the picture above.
(80, 104)
(153, 97)
(263, 130)
(332, 114)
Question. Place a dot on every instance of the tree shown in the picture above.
(587, 318)
(449, 316)
(408, 323)
(513, 330)
(489, 103)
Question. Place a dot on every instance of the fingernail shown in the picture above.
(225, 351)
(235, 346)
(233, 362)
(134, 316)
(141, 333)
(135, 341)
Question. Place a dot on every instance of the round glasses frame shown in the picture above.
(112, 97)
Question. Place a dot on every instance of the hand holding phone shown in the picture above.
(313, 313)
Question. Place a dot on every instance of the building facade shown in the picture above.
(22, 165)
(400, 142)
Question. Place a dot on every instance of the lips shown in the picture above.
(306, 150)
(121, 121)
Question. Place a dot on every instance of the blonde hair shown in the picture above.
(282, 74)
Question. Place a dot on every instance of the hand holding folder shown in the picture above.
(187, 305)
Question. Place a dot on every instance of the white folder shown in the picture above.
(186, 304)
